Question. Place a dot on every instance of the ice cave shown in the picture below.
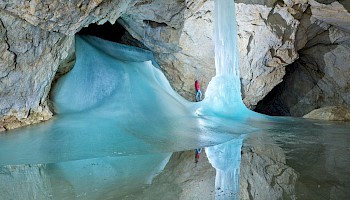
(121, 131)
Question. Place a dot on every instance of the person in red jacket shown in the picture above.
(197, 155)
(198, 91)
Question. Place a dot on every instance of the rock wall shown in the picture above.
(319, 78)
(332, 113)
(63, 16)
(267, 44)
(180, 34)
(28, 65)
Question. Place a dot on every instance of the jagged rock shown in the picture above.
(31, 58)
(333, 12)
(180, 34)
(172, 33)
(308, 29)
(66, 17)
(195, 60)
(263, 60)
(156, 23)
(333, 113)
(319, 78)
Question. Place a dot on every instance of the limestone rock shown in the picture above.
(263, 60)
(319, 78)
(195, 60)
(308, 29)
(28, 65)
(66, 17)
(180, 34)
(335, 13)
(156, 23)
(189, 54)
(332, 113)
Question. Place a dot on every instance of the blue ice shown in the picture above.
(110, 108)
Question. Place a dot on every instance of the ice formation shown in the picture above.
(223, 98)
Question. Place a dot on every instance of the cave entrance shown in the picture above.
(111, 32)
(107, 31)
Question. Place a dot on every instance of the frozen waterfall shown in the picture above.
(223, 98)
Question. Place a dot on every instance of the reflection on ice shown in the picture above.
(225, 158)
(98, 178)
(104, 178)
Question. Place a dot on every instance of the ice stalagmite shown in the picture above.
(223, 96)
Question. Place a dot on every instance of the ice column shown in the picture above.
(225, 36)
(223, 95)
(223, 98)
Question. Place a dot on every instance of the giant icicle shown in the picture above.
(223, 98)
(223, 95)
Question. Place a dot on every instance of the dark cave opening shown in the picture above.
(273, 104)
(107, 31)
(112, 32)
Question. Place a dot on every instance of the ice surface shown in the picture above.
(117, 118)
(115, 109)
(108, 106)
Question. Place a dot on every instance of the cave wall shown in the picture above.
(320, 78)
(272, 35)
(30, 57)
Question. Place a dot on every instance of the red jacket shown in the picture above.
(196, 85)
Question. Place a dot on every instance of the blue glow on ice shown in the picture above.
(112, 108)
(108, 106)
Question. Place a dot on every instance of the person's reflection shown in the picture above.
(225, 158)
